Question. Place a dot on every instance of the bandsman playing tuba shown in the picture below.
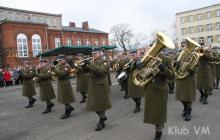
(44, 81)
(186, 85)
(65, 93)
(153, 72)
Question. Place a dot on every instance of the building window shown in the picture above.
(201, 39)
(191, 29)
(87, 42)
(190, 18)
(36, 45)
(183, 31)
(68, 41)
(182, 19)
(78, 42)
(103, 42)
(22, 45)
(96, 42)
(208, 14)
(200, 28)
(57, 42)
(199, 16)
(209, 28)
(218, 13)
(218, 25)
(210, 39)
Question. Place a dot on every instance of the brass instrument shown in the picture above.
(189, 58)
(81, 62)
(123, 75)
(151, 61)
(53, 74)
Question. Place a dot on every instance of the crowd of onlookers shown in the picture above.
(9, 77)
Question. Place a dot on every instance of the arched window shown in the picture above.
(36, 44)
(22, 45)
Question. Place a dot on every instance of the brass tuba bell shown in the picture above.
(151, 61)
(188, 58)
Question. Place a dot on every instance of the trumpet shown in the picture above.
(81, 62)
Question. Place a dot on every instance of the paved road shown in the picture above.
(17, 123)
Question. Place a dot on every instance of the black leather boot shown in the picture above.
(158, 135)
(201, 96)
(184, 112)
(68, 110)
(205, 100)
(83, 98)
(48, 109)
(188, 114)
(100, 125)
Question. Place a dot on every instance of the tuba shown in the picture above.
(151, 61)
(188, 58)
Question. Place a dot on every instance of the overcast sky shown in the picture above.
(144, 16)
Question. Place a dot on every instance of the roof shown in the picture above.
(22, 22)
(33, 12)
(78, 29)
(198, 9)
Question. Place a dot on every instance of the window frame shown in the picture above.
(57, 42)
(22, 44)
(36, 44)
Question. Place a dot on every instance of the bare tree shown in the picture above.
(137, 41)
(121, 35)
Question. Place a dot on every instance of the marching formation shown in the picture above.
(151, 75)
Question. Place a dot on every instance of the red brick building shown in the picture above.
(24, 34)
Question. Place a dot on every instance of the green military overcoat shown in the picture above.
(134, 91)
(218, 68)
(46, 88)
(65, 94)
(28, 84)
(156, 95)
(98, 89)
(204, 79)
(82, 81)
(186, 88)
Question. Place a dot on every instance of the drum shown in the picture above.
(122, 76)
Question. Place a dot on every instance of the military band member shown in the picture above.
(217, 72)
(171, 83)
(28, 90)
(186, 89)
(123, 83)
(134, 91)
(44, 81)
(108, 62)
(204, 82)
(65, 93)
(156, 95)
(82, 80)
(98, 89)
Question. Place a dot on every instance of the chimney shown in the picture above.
(85, 25)
(72, 24)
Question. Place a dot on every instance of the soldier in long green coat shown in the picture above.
(217, 72)
(82, 80)
(44, 80)
(28, 73)
(186, 87)
(124, 82)
(156, 96)
(98, 90)
(134, 91)
(65, 94)
(204, 82)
